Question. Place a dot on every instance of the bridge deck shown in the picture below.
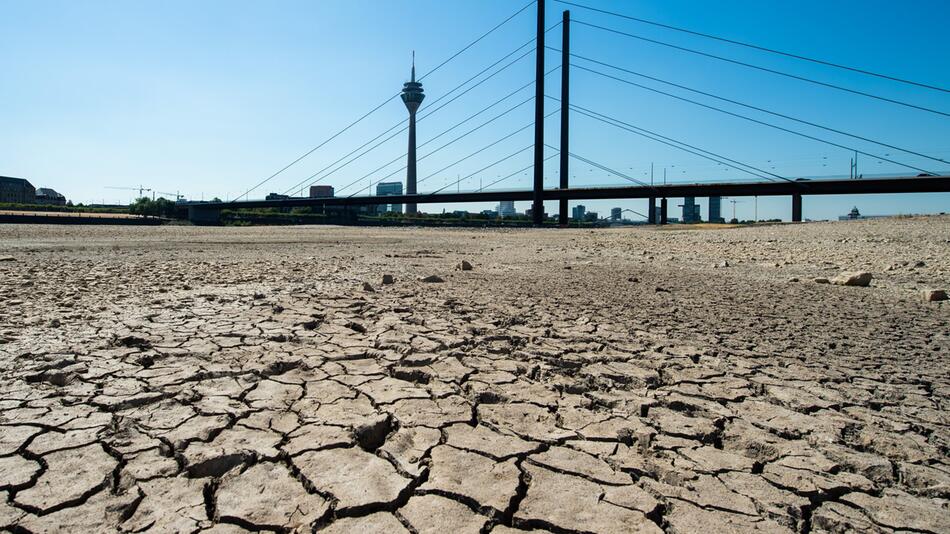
(907, 184)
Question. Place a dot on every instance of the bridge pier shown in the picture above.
(796, 208)
(651, 211)
(663, 211)
(202, 215)
(565, 113)
(537, 197)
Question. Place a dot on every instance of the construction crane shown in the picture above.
(141, 189)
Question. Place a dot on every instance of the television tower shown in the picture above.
(412, 96)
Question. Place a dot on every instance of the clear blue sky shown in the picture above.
(208, 98)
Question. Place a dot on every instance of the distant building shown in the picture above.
(384, 189)
(321, 191)
(17, 191)
(491, 214)
(690, 210)
(530, 212)
(45, 195)
(578, 212)
(715, 210)
(615, 214)
(657, 213)
(591, 216)
(854, 215)
(276, 196)
(506, 208)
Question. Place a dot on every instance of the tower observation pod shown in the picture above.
(412, 96)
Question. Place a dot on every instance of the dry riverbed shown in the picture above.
(221, 380)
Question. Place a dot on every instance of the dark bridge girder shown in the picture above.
(910, 184)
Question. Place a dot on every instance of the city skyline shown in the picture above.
(46, 148)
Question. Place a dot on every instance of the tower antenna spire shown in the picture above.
(413, 65)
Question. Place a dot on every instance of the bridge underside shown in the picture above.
(205, 211)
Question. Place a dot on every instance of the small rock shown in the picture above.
(793, 279)
(7, 258)
(465, 266)
(662, 290)
(859, 279)
(388, 279)
(633, 279)
(934, 295)
(433, 279)
(822, 280)
(368, 288)
(722, 264)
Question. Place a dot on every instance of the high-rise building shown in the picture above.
(577, 212)
(506, 208)
(412, 96)
(689, 208)
(389, 189)
(715, 210)
(615, 214)
(321, 191)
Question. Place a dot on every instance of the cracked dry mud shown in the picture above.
(221, 380)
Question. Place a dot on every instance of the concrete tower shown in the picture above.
(412, 96)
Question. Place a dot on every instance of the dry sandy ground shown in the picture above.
(179, 379)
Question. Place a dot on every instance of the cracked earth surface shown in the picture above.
(222, 380)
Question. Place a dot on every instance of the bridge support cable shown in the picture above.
(608, 170)
(755, 108)
(758, 173)
(519, 171)
(483, 169)
(453, 141)
(486, 147)
(712, 156)
(388, 100)
(603, 167)
(751, 119)
(765, 69)
(512, 134)
(300, 186)
(758, 47)
(314, 149)
(476, 41)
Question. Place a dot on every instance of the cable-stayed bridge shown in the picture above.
(923, 170)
